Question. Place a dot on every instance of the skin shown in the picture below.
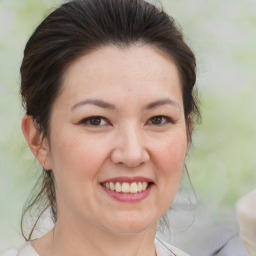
(140, 83)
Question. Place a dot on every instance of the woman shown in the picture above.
(108, 88)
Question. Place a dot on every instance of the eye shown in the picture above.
(160, 120)
(95, 121)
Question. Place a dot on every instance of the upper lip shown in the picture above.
(128, 179)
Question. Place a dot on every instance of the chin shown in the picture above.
(131, 225)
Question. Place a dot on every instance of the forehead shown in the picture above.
(136, 70)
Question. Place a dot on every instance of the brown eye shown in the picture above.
(157, 120)
(160, 120)
(95, 121)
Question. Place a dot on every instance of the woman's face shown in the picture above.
(117, 139)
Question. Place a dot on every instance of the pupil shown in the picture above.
(157, 120)
(95, 121)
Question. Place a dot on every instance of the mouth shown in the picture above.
(127, 187)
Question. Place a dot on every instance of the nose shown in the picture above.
(130, 148)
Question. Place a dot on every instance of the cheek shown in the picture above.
(171, 154)
(169, 168)
(76, 158)
(76, 164)
(170, 162)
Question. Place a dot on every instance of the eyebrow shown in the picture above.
(99, 103)
(162, 102)
(106, 105)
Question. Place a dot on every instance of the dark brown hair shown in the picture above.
(74, 29)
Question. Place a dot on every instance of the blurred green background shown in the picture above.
(222, 160)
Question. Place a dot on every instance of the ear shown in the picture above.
(38, 145)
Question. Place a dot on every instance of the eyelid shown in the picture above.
(167, 120)
(85, 121)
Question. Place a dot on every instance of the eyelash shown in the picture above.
(166, 118)
(89, 121)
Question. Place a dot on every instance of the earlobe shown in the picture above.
(38, 145)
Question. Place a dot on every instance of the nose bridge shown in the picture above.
(130, 146)
(133, 139)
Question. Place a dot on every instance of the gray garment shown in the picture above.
(233, 247)
(162, 249)
(218, 239)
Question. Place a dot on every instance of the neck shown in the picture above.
(65, 240)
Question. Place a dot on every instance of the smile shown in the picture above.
(125, 187)
(128, 189)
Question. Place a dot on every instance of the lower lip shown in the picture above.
(128, 197)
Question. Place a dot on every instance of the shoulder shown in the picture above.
(9, 252)
(25, 250)
(234, 247)
(165, 249)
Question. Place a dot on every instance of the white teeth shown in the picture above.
(144, 185)
(111, 186)
(139, 186)
(126, 187)
(134, 188)
(118, 187)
